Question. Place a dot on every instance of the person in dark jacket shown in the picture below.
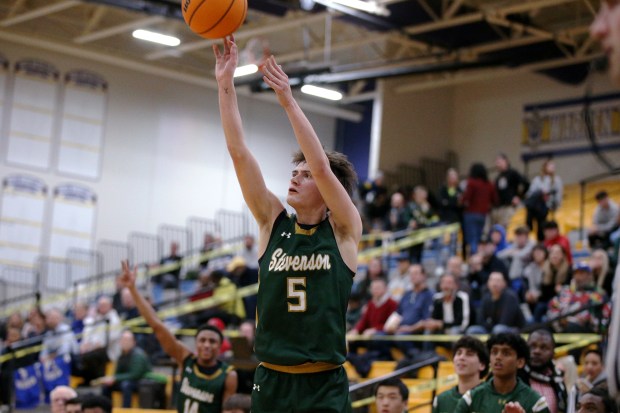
(499, 311)
(510, 186)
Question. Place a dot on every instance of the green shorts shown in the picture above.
(278, 392)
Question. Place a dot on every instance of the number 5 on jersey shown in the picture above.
(296, 290)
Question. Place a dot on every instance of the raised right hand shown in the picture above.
(128, 276)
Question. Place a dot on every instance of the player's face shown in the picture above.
(208, 345)
(467, 363)
(541, 349)
(589, 403)
(389, 400)
(606, 29)
(302, 189)
(504, 361)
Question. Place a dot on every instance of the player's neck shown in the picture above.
(504, 385)
(310, 216)
(468, 382)
(207, 363)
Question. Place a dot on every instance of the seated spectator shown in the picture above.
(499, 311)
(231, 311)
(399, 215)
(604, 221)
(100, 342)
(13, 337)
(354, 310)
(374, 195)
(553, 237)
(476, 278)
(602, 271)
(497, 236)
(593, 371)
(167, 278)
(374, 271)
(35, 324)
(132, 366)
(556, 273)
(237, 403)
(249, 252)
(73, 405)
(243, 275)
(544, 195)
(377, 311)
(581, 293)
(400, 282)
(80, 312)
(59, 397)
(596, 401)
(533, 274)
(128, 306)
(542, 374)
(95, 403)
(414, 308)
(451, 310)
(58, 340)
(490, 261)
(518, 254)
(391, 396)
(14, 320)
(455, 266)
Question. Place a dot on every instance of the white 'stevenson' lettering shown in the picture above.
(280, 261)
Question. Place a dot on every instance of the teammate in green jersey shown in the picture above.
(307, 260)
(471, 364)
(392, 396)
(504, 392)
(206, 382)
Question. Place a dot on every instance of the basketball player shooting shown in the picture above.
(308, 259)
(606, 29)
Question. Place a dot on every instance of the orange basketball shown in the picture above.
(214, 19)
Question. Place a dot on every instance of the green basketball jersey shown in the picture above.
(304, 288)
(484, 399)
(201, 393)
(446, 402)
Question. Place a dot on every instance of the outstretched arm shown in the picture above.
(169, 343)
(264, 205)
(344, 213)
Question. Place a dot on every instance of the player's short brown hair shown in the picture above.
(340, 166)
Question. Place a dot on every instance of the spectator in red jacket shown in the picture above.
(377, 310)
(478, 199)
(553, 237)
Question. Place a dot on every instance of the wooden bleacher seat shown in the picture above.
(381, 368)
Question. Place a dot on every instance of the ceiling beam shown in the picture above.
(121, 28)
(278, 25)
(444, 24)
(453, 8)
(94, 20)
(455, 78)
(40, 12)
(528, 6)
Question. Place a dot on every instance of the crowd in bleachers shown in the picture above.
(507, 277)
